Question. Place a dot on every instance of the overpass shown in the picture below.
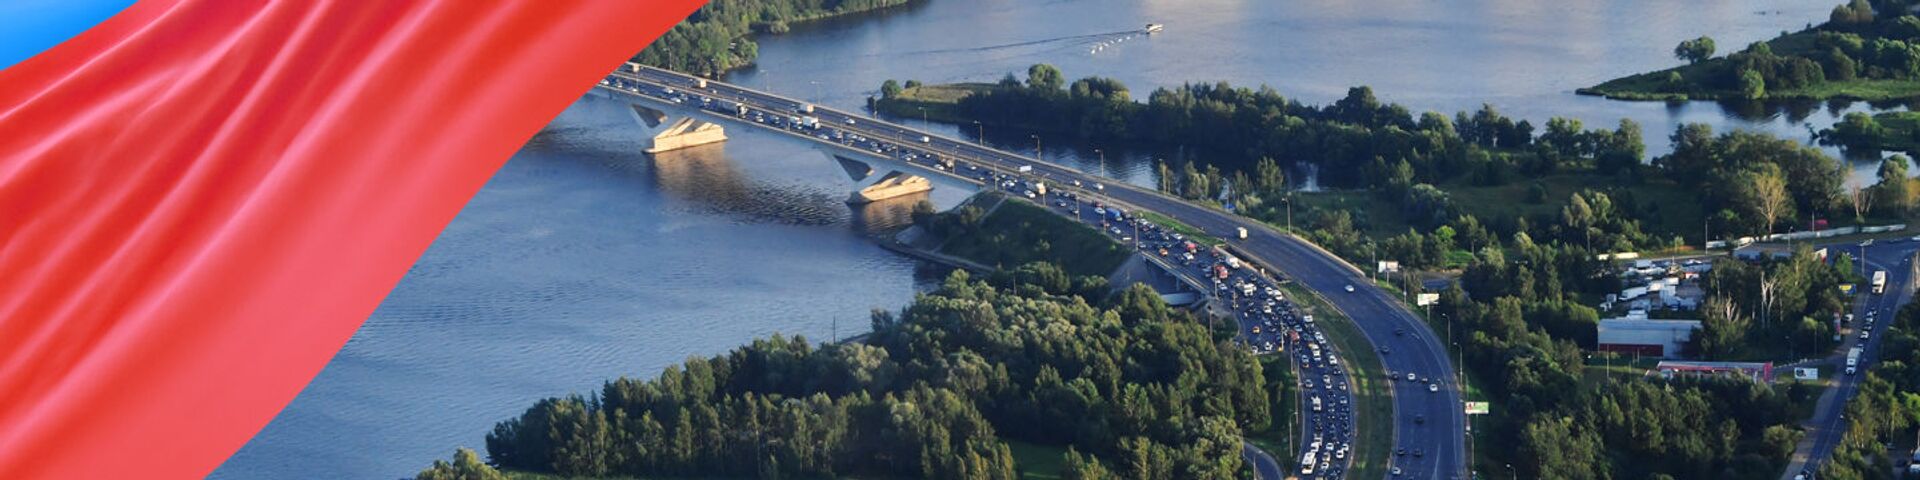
(1440, 433)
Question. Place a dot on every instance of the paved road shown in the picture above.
(1827, 425)
(1414, 347)
(1264, 466)
(1262, 312)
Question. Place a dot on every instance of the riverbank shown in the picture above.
(719, 38)
(1830, 61)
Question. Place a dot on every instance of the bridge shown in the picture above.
(1430, 422)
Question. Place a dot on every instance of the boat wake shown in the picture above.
(1097, 40)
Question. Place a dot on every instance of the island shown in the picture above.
(1865, 51)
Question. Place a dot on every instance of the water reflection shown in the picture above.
(706, 176)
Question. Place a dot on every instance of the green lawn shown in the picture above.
(1669, 209)
(1373, 403)
(936, 101)
(1038, 462)
(1020, 232)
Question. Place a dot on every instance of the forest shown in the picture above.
(1128, 387)
(716, 38)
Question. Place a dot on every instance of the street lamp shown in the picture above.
(983, 131)
(1511, 473)
(1037, 152)
(1103, 160)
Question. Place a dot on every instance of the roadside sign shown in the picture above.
(1477, 408)
(1426, 299)
(1388, 266)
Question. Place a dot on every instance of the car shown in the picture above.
(1384, 350)
(1412, 377)
(1401, 452)
(1399, 332)
(1420, 419)
(850, 121)
(1433, 387)
(1349, 288)
(1418, 452)
(1396, 470)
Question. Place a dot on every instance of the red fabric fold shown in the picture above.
(200, 201)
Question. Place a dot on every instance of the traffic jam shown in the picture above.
(800, 120)
(1269, 322)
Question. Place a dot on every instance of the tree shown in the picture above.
(1894, 188)
(1164, 179)
(1270, 178)
(466, 465)
(1083, 467)
(1045, 77)
(1766, 193)
(1752, 85)
(1694, 51)
(1861, 199)
(889, 89)
(1723, 330)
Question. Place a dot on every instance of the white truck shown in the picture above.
(1853, 360)
(1879, 282)
(1243, 232)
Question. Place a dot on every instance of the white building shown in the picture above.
(1637, 334)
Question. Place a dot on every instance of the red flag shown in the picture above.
(200, 201)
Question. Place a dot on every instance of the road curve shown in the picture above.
(1429, 423)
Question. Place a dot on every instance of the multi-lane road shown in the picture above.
(1430, 422)
(1871, 315)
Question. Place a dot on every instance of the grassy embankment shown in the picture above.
(939, 102)
(1699, 81)
(1177, 226)
(1020, 232)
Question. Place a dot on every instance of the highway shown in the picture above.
(1261, 312)
(1827, 425)
(1438, 436)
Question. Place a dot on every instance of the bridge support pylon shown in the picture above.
(687, 132)
(874, 188)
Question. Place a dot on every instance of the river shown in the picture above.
(1525, 58)
(583, 260)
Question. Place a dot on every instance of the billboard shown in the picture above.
(1477, 408)
(1426, 299)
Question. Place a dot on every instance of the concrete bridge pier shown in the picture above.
(686, 132)
(873, 186)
